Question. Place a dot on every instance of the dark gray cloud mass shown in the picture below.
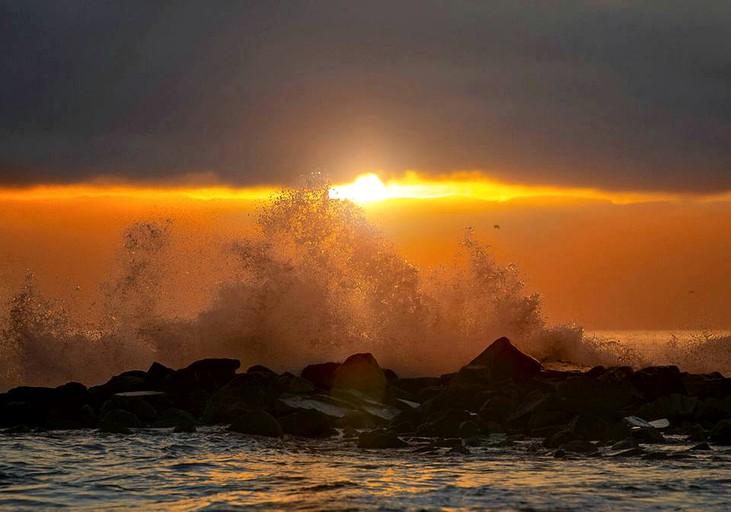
(616, 94)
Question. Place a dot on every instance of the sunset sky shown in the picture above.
(588, 142)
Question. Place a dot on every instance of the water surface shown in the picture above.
(215, 470)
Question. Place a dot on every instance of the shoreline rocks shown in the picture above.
(502, 390)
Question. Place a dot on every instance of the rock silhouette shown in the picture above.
(502, 390)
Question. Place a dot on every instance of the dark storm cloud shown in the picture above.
(605, 93)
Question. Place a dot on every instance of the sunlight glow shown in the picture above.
(368, 188)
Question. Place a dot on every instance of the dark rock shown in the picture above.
(404, 427)
(625, 444)
(497, 408)
(613, 390)
(721, 433)
(119, 421)
(255, 390)
(578, 446)
(256, 422)
(379, 440)
(657, 381)
(137, 405)
(560, 438)
(675, 407)
(712, 410)
(468, 429)
(65, 412)
(711, 385)
(459, 450)
(321, 375)
(544, 418)
(446, 378)
(18, 429)
(156, 375)
(501, 361)
(87, 416)
(446, 423)
(127, 381)
(647, 435)
(456, 396)
(295, 385)
(391, 375)
(307, 423)
(26, 405)
(696, 432)
(361, 373)
(595, 372)
(590, 427)
(31, 394)
(415, 385)
(258, 368)
(185, 427)
(173, 417)
(405, 421)
(700, 447)
(190, 388)
(428, 393)
(213, 374)
(350, 432)
(359, 419)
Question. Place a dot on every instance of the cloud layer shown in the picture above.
(611, 94)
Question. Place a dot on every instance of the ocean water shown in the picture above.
(216, 470)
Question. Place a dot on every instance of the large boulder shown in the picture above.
(307, 423)
(501, 361)
(155, 376)
(710, 385)
(128, 381)
(721, 433)
(497, 408)
(173, 417)
(118, 421)
(256, 422)
(25, 405)
(67, 409)
(446, 423)
(657, 381)
(213, 374)
(247, 391)
(143, 404)
(674, 407)
(321, 375)
(190, 388)
(362, 373)
(611, 391)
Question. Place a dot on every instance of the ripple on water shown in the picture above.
(216, 471)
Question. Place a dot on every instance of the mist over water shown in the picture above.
(315, 282)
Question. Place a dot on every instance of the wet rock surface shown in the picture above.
(503, 391)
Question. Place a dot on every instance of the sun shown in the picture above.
(366, 188)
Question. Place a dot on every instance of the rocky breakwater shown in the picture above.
(503, 394)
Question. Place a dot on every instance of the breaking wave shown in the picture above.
(316, 282)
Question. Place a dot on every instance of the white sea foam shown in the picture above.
(316, 282)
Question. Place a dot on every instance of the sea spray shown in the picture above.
(315, 282)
